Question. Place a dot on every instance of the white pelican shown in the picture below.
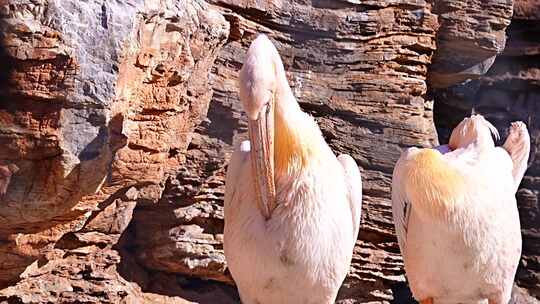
(456, 215)
(292, 209)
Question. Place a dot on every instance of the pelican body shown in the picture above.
(292, 208)
(456, 215)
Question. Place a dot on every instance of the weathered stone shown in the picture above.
(165, 245)
(470, 36)
(113, 219)
(118, 200)
(6, 171)
(82, 275)
(95, 120)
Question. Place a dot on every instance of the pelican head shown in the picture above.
(258, 83)
(474, 129)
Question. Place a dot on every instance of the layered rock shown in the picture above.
(98, 102)
(55, 127)
(471, 35)
(105, 111)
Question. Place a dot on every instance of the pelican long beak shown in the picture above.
(261, 135)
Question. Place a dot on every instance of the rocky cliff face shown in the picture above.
(98, 102)
(117, 121)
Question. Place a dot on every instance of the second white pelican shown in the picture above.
(456, 214)
(292, 208)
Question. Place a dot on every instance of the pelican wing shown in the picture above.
(354, 180)
(401, 208)
(233, 181)
(447, 178)
(446, 171)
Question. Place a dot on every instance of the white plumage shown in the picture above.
(301, 250)
(456, 216)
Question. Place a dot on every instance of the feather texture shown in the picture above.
(456, 217)
(302, 252)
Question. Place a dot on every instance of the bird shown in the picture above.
(456, 216)
(292, 208)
